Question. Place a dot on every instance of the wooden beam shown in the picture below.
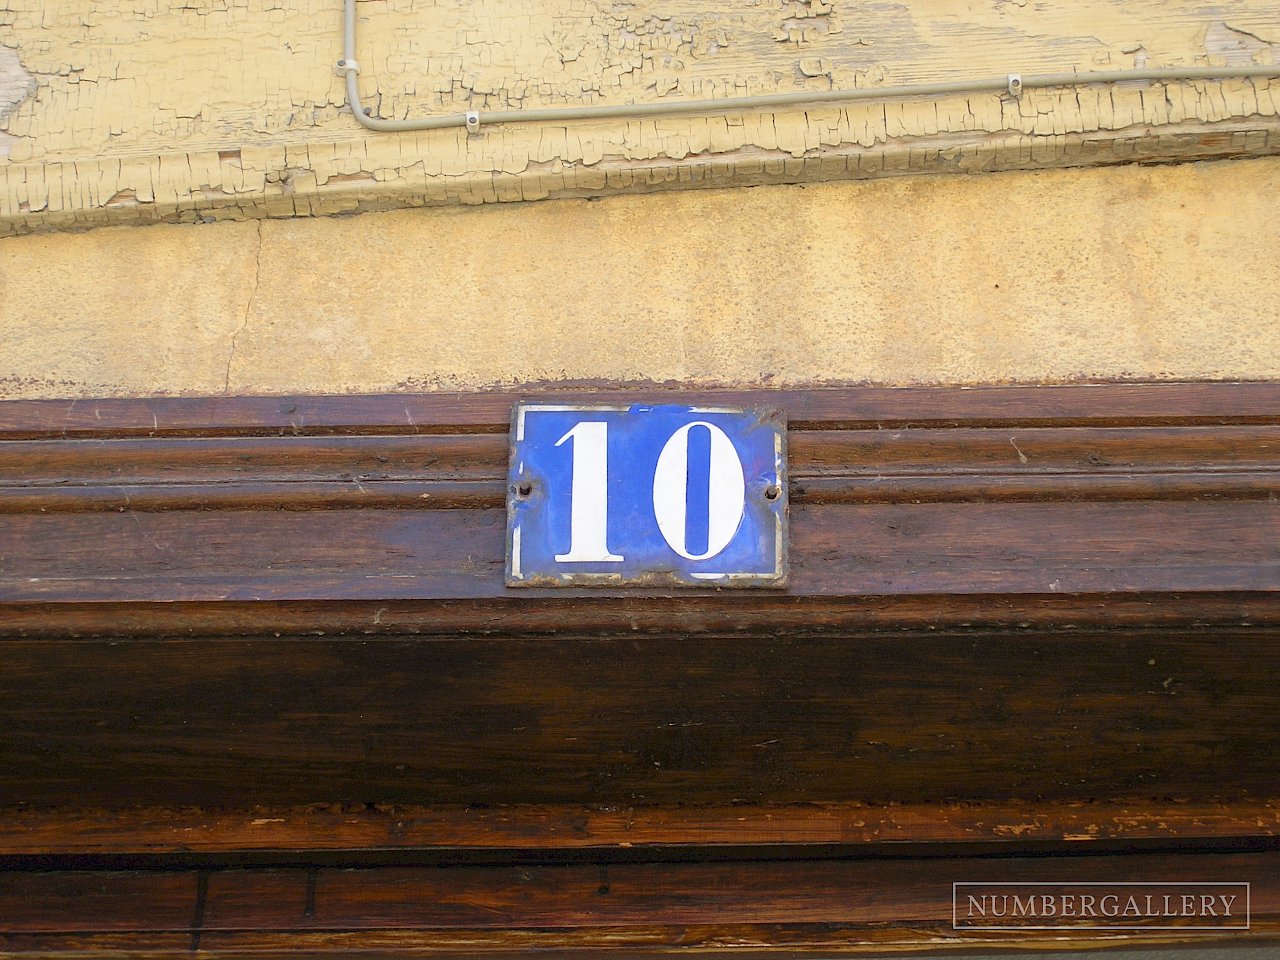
(806, 908)
(1012, 494)
(366, 830)
(248, 646)
(915, 718)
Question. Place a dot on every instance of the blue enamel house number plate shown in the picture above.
(646, 495)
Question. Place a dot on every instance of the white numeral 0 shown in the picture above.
(588, 511)
(727, 494)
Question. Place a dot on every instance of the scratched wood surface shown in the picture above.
(541, 831)
(261, 688)
(812, 908)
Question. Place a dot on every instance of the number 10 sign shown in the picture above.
(646, 495)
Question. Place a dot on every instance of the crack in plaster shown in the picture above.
(248, 308)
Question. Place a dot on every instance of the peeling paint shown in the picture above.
(1236, 47)
(16, 85)
(205, 110)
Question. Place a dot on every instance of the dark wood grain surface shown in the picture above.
(678, 720)
(1023, 623)
(812, 906)
(1103, 404)
(1018, 494)
(543, 830)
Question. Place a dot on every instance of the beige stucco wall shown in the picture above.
(1025, 246)
(1143, 272)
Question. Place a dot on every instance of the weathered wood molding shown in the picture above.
(816, 908)
(1041, 497)
(622, 830)
(262, 689)
(1112, 538)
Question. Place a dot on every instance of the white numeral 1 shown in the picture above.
(589, 510)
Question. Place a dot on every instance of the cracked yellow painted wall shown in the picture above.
(129, 111)
(1166, 272)
(224, 121)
